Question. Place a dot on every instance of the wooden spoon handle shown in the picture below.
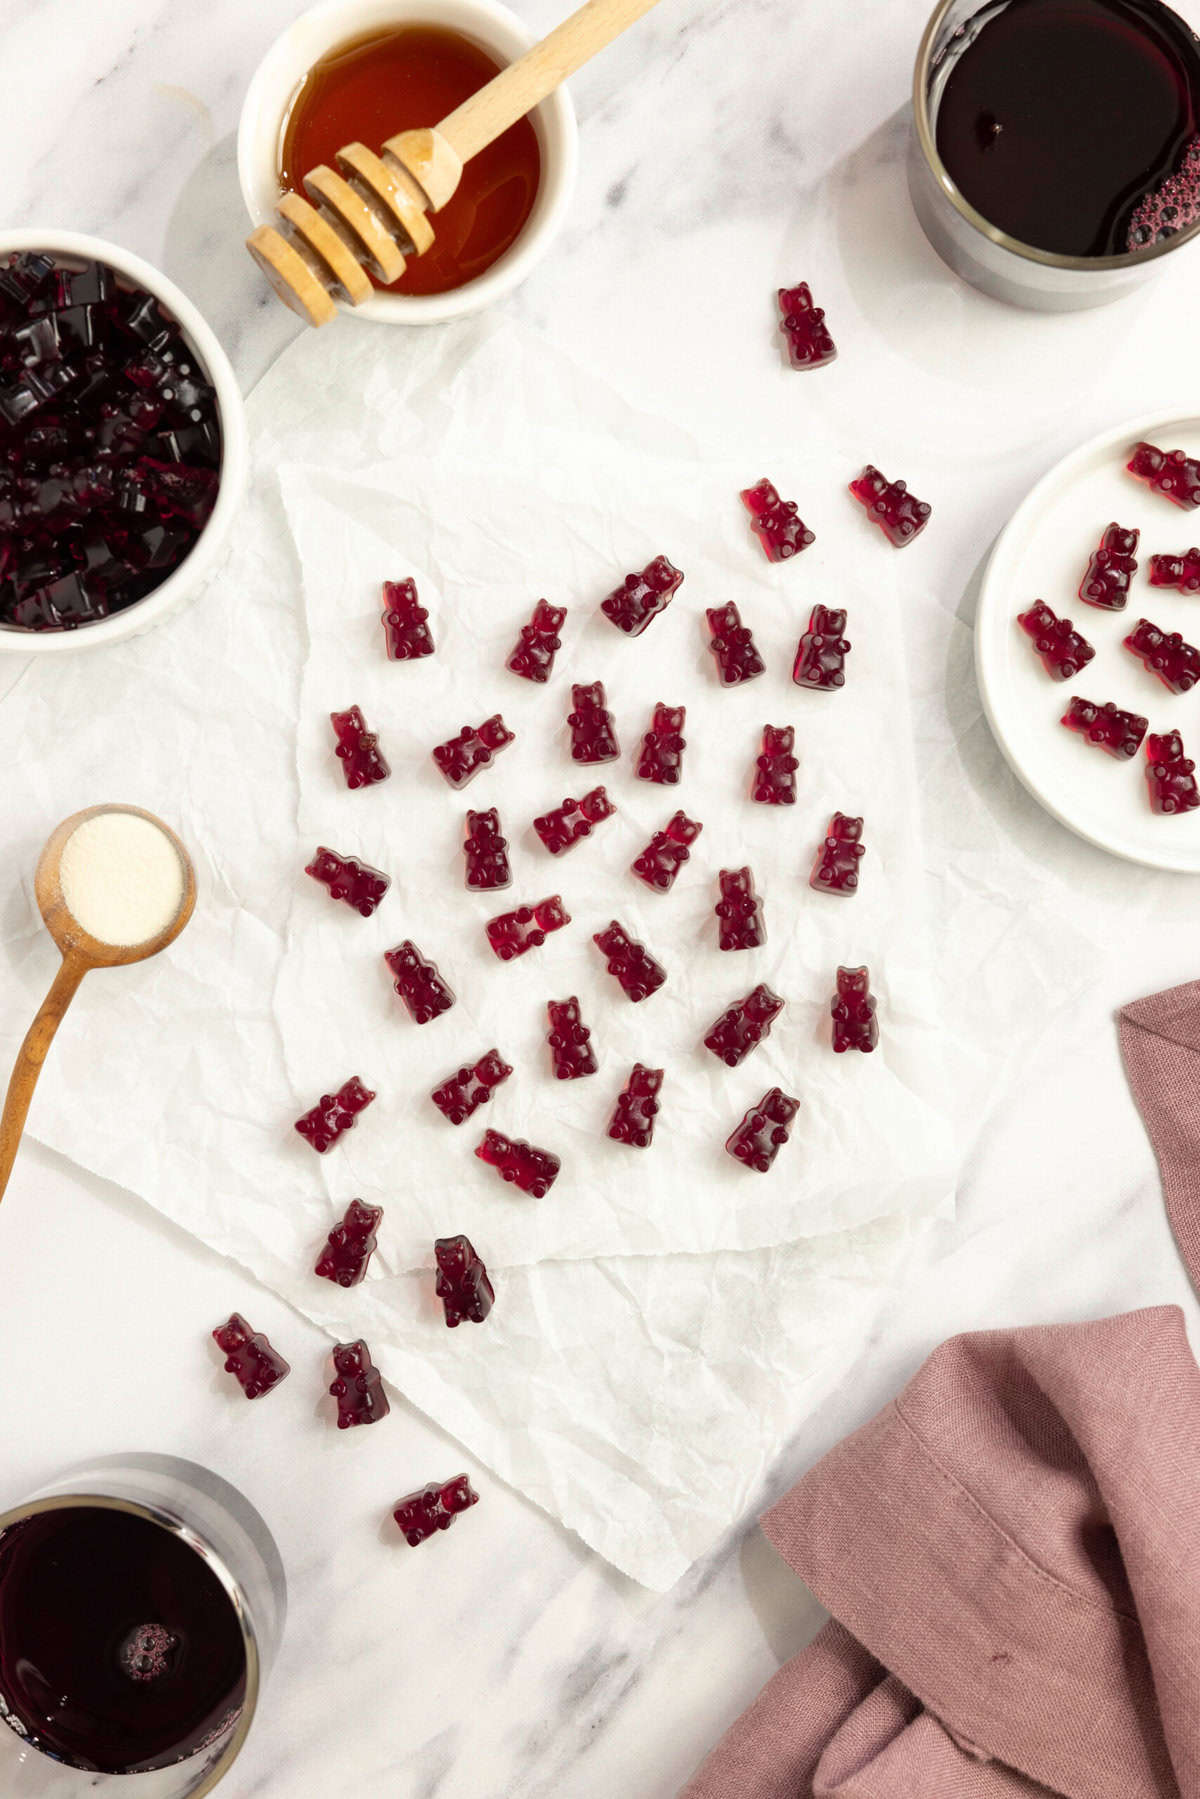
(30, 1057)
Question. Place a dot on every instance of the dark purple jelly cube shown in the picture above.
(1182, 571)
(776, 523)
(539, 643)
(563, 828)
(486, 852)
(661, 755)
(1172, 473)
(739, 911)
(593, 735)
(1110, 729)
(333, 1114)
(641, 597)
(461, 758)
(462, 1093)
(405, 622)
(889, 505)
(775, 767)
(821, 655)
(249, 1357)
(515, 933)
(1171, 774)
(421, 1515)
(355, 883)
(630, 962)
(1110, 570)
(571, 1052)
(533, 1170)
(744, 1026)
(1165, 654)
(763, 1131)
(809, 344)
(350, 1245)
(666, 852)
(836, 866)
(1062, 650)
(363, 763)
(357, 1386)
(733, 648)
(418, 982)
(855, 1025)
(462, 1283)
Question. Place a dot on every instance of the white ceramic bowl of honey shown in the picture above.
(337, 23)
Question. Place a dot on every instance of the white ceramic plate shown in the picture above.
(1042, 554)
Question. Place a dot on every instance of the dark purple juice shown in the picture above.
(119, 1648)
(1074, 125)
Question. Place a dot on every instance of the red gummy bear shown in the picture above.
(641, 597)
(405, 622)
(462, 1282)
(836, 867)
(486, 852)
(763, 1131)
(462, 1094)
(732, 646)
(1110, 570)
(333, 1114)
(661, 755)
(358, 1387)
(855, 1025)
(356, 883)
(350, 1245)
(632, 964)
(1171, 774)
(1176, 663)
(421, 1515)
(461, 758)
(418, 982)
(890, 506)
(563, 828)
(1172, 473)
(539, 643)
(515, 933)
(250, 1357)
(1116, 732)
(776, 523)
(1181, 571)
(739, 911)
(593, 735)
(821, 656)
(744, 1026)
(775, 768)
(533, 1170)
(358, 749)
(570, 1041)
(1062, 650)
(666, 852)
(803, 324)
(637, 1108)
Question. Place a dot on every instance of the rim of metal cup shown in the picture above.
(1051, 259)
(199, 1544)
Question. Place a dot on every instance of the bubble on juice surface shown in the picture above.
(1171, 207)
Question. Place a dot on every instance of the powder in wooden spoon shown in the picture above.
(121, 878)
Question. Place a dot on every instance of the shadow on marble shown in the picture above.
(787, 1613)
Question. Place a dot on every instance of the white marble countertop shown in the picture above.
(758, 141)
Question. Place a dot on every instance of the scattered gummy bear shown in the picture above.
(350, 1245)
(1062, 650)
(593, 735)
(539, 643)
(808, 341)
(563, 828)
(1181, 571)
(733, 648)
(763, 1131)
(462, 1282)
(1108, 727)
(821, 656)
(418, 982)
(421, 1515)
(461, 758)
(462, 1094)
(486, 852)
(514, 933)
(571, 1052)
(666, 852)
(739, 911)
(775, 767)
(1171, 774)
(1110, 570)
(250, 1357)
(855, 1025)
(641, 597)
(357, 1387)
(1176, 663)
(405, 622)
(356, 883)
(1172, 473)
(744, 1026)
(776, 523)
(533, 1170)
(358, 749)
(333, 1114)
(890, 506)
(661, 755)
(637, 1108)
(632, 964)
(836, 867)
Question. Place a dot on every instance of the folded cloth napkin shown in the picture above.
(1011, 1554)
(1160, 1041)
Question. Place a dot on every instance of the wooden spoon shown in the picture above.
(371, 216)
(80, 952)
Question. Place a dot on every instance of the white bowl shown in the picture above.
(495, 29)
(185, 582)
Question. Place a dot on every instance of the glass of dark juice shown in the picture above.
(1055, 155)
(141, 1602)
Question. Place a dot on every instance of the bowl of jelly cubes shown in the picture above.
(122, 444)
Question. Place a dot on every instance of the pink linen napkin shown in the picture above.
(1160, 1041)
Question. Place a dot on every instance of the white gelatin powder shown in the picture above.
(121, 878)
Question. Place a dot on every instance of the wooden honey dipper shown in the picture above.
(369, 212)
